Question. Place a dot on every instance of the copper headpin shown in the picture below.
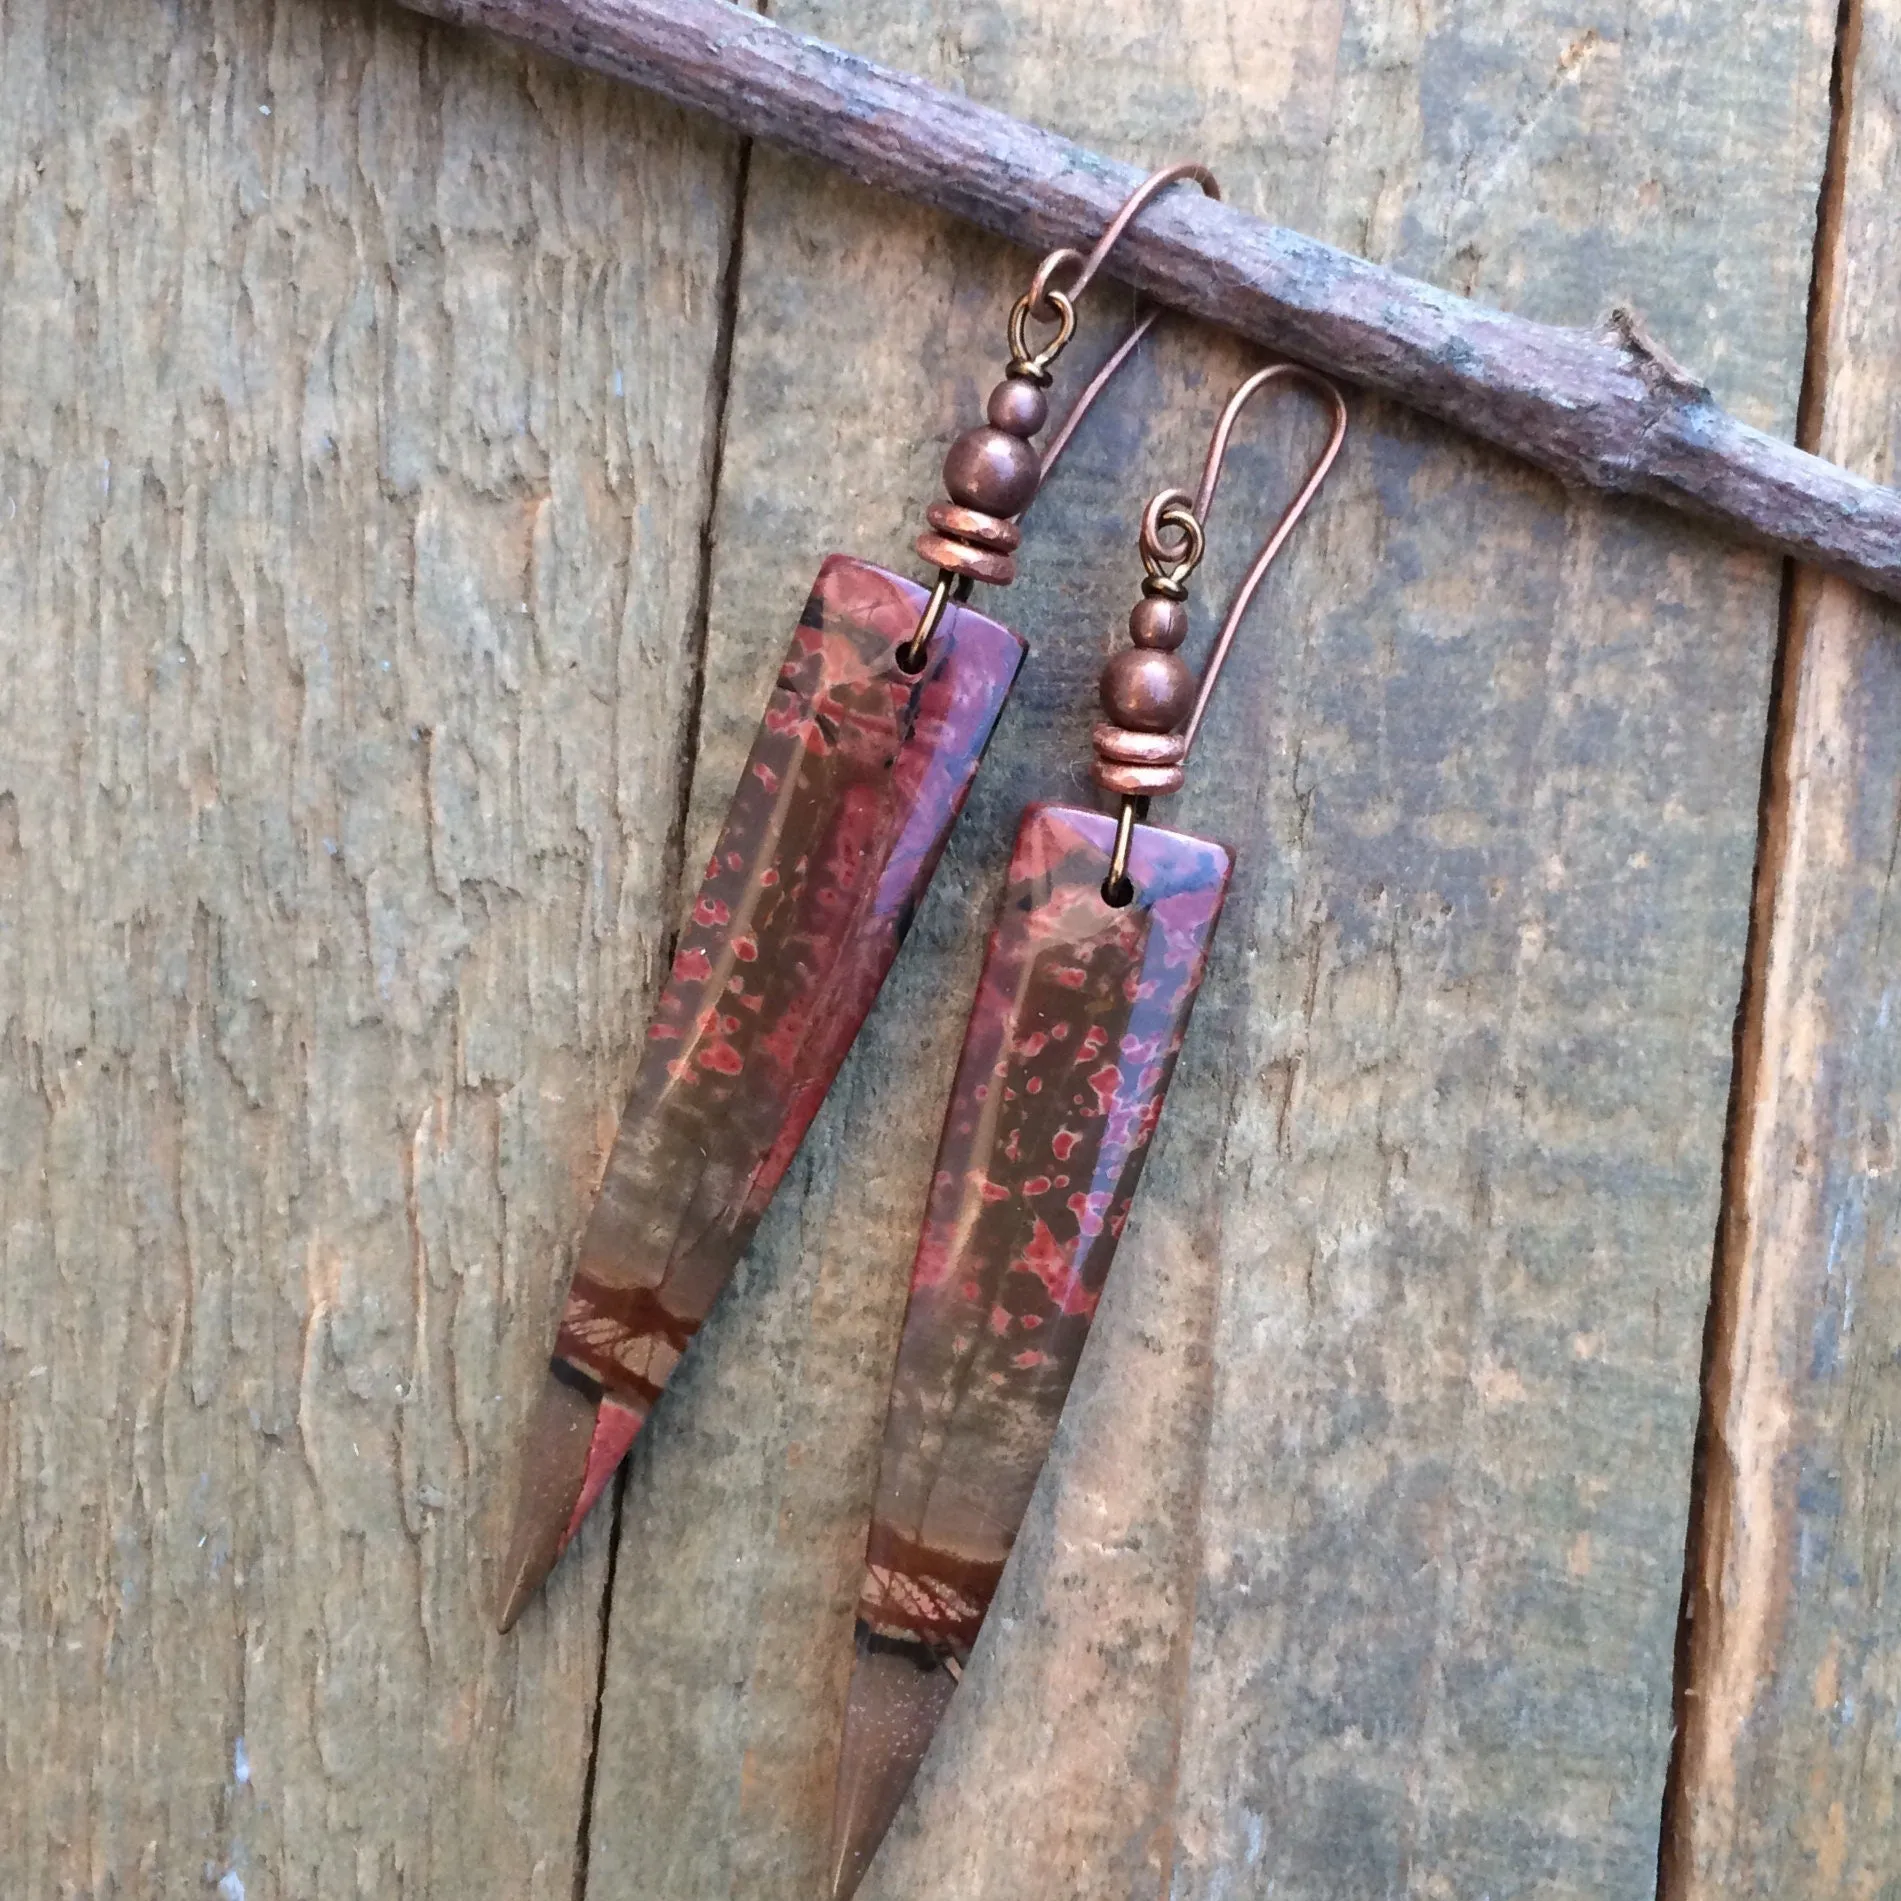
(1154, 703)
(993, 471)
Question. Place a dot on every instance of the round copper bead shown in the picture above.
(1138, 782)
(966, 524)
(1158, 624)
(1118, 746)
(960, 557)
(992, 472)
(1148, 692)
(1018, 407)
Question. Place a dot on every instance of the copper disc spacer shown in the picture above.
(1138, 782)
(1117, 745)
(970, 524)
(959, 557)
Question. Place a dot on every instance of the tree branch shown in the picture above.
(1609, 411)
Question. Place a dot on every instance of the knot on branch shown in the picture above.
(1626, 328)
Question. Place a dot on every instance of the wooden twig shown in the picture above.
(1608, 410)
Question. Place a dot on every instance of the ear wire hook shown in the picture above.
(1042, 291)
(973, 536)
(1139, 752)
(1290, 517)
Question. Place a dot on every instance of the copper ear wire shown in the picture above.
(1042, 290)
(1142, 749)
(1271, 547)
(1112, 233)
(991, 473)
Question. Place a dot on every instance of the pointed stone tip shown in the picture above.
(898, 1695)
(553, 1470)
(850, 1861)
(526, 1584)
(845, 1882)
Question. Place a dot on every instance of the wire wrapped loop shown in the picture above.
(1035, 364)
(1043, 283)
(1154, 703)
(1171, 559)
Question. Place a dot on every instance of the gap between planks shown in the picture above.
(1698, 1620)
(584, 1830)
(674, 878)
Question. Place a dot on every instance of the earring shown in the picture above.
(1091, 972)
(884, 704)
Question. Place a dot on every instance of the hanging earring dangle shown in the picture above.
(1092, 969)
(885, 701)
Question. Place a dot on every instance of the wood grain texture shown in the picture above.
(1792, 1756)
(355, 442)
(1357, 1564)
(1608, 408)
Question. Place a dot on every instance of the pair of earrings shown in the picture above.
(885, 702)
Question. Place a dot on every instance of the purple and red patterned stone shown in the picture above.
(857, 773)
(1072, 1040)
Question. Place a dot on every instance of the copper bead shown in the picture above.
(991, 471)
(1018, 407)
(1159, 624)
(1147, 691)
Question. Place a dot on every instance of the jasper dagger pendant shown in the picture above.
(855, 777)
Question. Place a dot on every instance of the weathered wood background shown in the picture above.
(411, 457)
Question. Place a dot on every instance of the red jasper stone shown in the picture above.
(858, 771)
(1072, 1040)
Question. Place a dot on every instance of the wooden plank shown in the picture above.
(355, 445)
(1481, 1058)
(1427, 1232)
(1792, 1754)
